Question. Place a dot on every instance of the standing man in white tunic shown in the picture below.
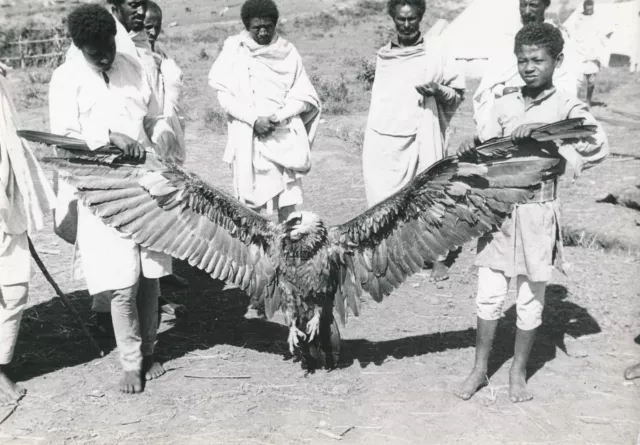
(104, 98)
(416, 89)
(273, 112)
(25, 198)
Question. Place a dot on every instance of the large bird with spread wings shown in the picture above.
(302, 266)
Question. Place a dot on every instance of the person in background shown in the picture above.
(416, 90)
(104, 97)
(591, 42)
(502, 73)
(25, 198)
(169, 92)
(273, 112)
(528, 244)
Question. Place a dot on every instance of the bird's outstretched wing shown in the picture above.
(167, 209)
(442, 208)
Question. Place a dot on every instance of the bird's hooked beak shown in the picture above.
(299, 224)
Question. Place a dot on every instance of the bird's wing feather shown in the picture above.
(442, 208)
(167, 209)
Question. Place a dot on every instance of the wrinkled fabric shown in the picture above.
(82, 105)
(13, 300)
(15, 259)
(253, 81)
(529, 242)
(589, 34)
(502, 72)
(25, 194)
(406, 132)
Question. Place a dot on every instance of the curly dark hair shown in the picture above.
(420, 5)
(90, 24)
(540, 34)
(263, 9)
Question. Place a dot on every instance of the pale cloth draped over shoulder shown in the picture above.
(502, 72)
(25, 195)
(169, 98)
(253, 81)
(406, 132)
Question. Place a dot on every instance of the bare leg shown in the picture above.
(147, 302)
(518, 374)
(590, 89)
(126, 325)
(632, 372)
(284, 212)
(12, 302)
(478, 377)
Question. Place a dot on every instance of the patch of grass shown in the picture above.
(366, 72)
(215, 119)
(335, 94)
(203, 55)
(587, 239)
(322, 20)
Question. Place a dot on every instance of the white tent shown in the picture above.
(624, 20)
(483, 28)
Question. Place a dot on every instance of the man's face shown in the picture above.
(407, 22)
(262, 30)
(131, 14)
(102, 55)
(587, 9)
(153, 25)
(536, 66)
(532, 11)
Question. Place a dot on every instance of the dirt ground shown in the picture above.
(232, 381)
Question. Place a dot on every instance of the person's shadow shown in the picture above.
(560, 319)
(51, 339)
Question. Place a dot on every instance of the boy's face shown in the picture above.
(102, 55)
(536, 66)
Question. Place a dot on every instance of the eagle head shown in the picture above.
(303, 233)
(304, 225)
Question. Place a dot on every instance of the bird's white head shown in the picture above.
(302, 224)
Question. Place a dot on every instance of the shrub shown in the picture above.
(215, 119)
(366, 72)
(335, 95)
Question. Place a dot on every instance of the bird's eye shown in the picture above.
(294, 221)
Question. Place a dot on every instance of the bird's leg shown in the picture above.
(294, 333)
(313, 327)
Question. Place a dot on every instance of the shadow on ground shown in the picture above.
(51, 339)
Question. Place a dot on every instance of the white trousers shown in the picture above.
(13, 299)
(134, 312)
(493, 286)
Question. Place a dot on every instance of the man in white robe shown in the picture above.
(502, 75)
(416, 89)
(25, 198)
(272, 108)
(591, 37)
(104, 98)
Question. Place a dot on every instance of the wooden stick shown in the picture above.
(64, 298)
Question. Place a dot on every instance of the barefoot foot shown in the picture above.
(152, 369)
(473, 383)
(10, 393)
(518, 387)
(131, 382)
(632, 372)
(440, 272)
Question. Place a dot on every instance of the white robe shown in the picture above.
(406, 132)
(83, 106)
(253, 81)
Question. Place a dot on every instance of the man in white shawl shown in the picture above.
(502, 75)
(416, 89)
(591, 36)
(272, 109)
(25, 199)
(104, 98)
